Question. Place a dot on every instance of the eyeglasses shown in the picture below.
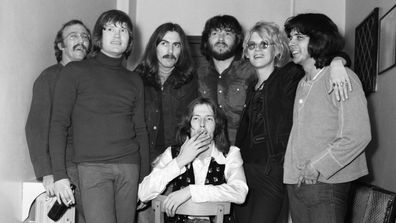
(113, 29)
(262, 45)
(75, 36)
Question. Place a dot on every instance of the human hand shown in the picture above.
(340, 82)
(48, 183)
(63, 192)
(192, 147)
(140, 205)
(308, 174)
(175, 199)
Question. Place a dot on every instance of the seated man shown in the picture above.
(204, 168)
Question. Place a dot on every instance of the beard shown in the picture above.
(225, 54)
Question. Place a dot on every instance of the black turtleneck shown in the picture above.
(104, 103)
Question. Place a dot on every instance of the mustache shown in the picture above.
(80, 45)
(169, 56)
(221, 43)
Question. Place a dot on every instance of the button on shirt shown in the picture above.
(228, 89)
(166, 169)
(331, 135)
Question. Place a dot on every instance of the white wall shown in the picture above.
(28, 30)
(335, 9)
(192, 14)
(382, 104)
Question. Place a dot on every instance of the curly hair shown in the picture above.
(113, 17)
(148, 68)
(324, 39)
(270, 31)
(220, 135)
(222, 22)
(59, 38)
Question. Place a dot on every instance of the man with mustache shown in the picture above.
(104, 102)
(225, 78)
(169, 86)
(72, 43)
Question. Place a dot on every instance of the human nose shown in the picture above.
(292, 42)
(202, 123)
(117, 32)
(221, 35)
(170, 49)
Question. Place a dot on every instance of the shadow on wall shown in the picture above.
(7, 210)
(137, 50)
(372, 147)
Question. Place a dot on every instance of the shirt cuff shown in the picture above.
(196, 193)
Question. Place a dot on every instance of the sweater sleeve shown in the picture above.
(141, 132)
(37, 127)
(65, 96)
(352, 136)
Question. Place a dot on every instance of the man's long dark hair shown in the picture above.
(220, 136)
(113, 17)
(324, 39)
(222, 22)
(148, 68)
(59, 38)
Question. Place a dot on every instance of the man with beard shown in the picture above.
(72, 43)
(169, 86)
(224, 78)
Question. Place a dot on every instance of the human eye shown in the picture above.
(214, 33)
(251, 45)
(85, 36)
(109, 29)
(124, 30)
(210, 119)
(73, 36)
(194, 118)
(163, 43)
(264, 45)
(300, 36)
(177, 45)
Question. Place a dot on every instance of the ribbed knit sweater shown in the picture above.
(104, 102)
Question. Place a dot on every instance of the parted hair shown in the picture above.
(220, 135)
(148, 68)
(324, 39)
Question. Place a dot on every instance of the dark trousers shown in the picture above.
(109, 191)
(72, 172)
(265, 198)
(321, 202)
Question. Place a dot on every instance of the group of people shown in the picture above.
(271, 118)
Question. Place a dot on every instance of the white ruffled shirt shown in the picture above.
(166, 169)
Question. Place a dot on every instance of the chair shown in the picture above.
(218, 209)
(371, 204)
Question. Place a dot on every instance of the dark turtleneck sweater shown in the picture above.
(104, 102)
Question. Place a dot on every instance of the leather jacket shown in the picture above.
(264, 128)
